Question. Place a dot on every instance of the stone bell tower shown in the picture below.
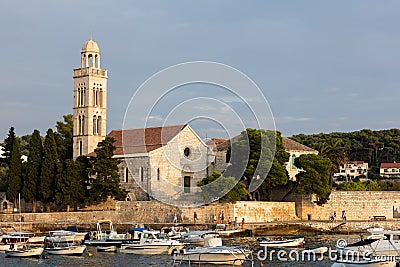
(90, 101)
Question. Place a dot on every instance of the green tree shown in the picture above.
(34, 165)
(15, 173)
(49, 169)
(314, 176)
(217, 185)
(84, 167)
(105, 172)
(69, 186)
(8, 146)
(64, 137)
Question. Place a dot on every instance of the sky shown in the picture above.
(322, 66)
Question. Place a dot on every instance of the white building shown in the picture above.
(353, 169)
(389, 170)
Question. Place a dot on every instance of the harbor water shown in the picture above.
(105, 259)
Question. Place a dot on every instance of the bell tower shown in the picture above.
(90, 101)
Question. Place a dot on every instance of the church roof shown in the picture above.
(143, 140)
(291, 145)
(91, 46)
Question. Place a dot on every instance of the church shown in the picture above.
(163, 163)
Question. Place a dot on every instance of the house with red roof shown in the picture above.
(389, 169)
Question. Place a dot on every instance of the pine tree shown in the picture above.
(64, 137)
(49, 169)
(105, 169)
(30, 186)
(8, 146)
(15, 173)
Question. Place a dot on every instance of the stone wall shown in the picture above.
(359, 205)
(156, 212)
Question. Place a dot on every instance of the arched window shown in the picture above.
(99, 125)
(94, 125)
(158, 174)
(90, 60)
(126, 174)
(5, 205)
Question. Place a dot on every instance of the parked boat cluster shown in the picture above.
(192, 247)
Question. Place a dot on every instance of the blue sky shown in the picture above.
(323, 66)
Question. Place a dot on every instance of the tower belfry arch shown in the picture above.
(90, 101)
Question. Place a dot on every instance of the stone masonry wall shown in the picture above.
(154, 212)
(359, 205)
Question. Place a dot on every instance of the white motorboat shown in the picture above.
(286, 243)
(380, 242)
(150, 244)
(20, 238)
(105, 235)
(196, 237)
(212, 253)
(364, 263)
(58, 236)
(25, 251)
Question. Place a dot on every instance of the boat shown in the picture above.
(18, 237)
(213, 252)
(105, 235)
(107, 249)
(65, 248)
(364, 263)
(316, 251)
(285, 243)
(24, 251)
(379, 242)
(196, 237)
(58, 236)
(150, 244)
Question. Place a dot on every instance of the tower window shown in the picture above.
(126, 174)
(80, 148)
(158, 174)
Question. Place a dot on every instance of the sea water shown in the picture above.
(105, 259)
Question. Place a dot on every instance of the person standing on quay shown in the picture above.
(195, 217)
(242, 223)
(344, 215)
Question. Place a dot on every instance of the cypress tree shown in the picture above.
(8, 146)
(34, 164)
(15, 173)
(49, 169)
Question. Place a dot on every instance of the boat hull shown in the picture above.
(298, 242)
(69, 250)
(216, 256)
(31, 252)
(149, 249)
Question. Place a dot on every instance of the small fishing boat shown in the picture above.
(107, 249)
(24, 251)
(316, 251)
(196, 237)
(286, 243)
(66, 249)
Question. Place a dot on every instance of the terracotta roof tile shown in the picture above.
(291, 145)
(390, 165)
(142, 140)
